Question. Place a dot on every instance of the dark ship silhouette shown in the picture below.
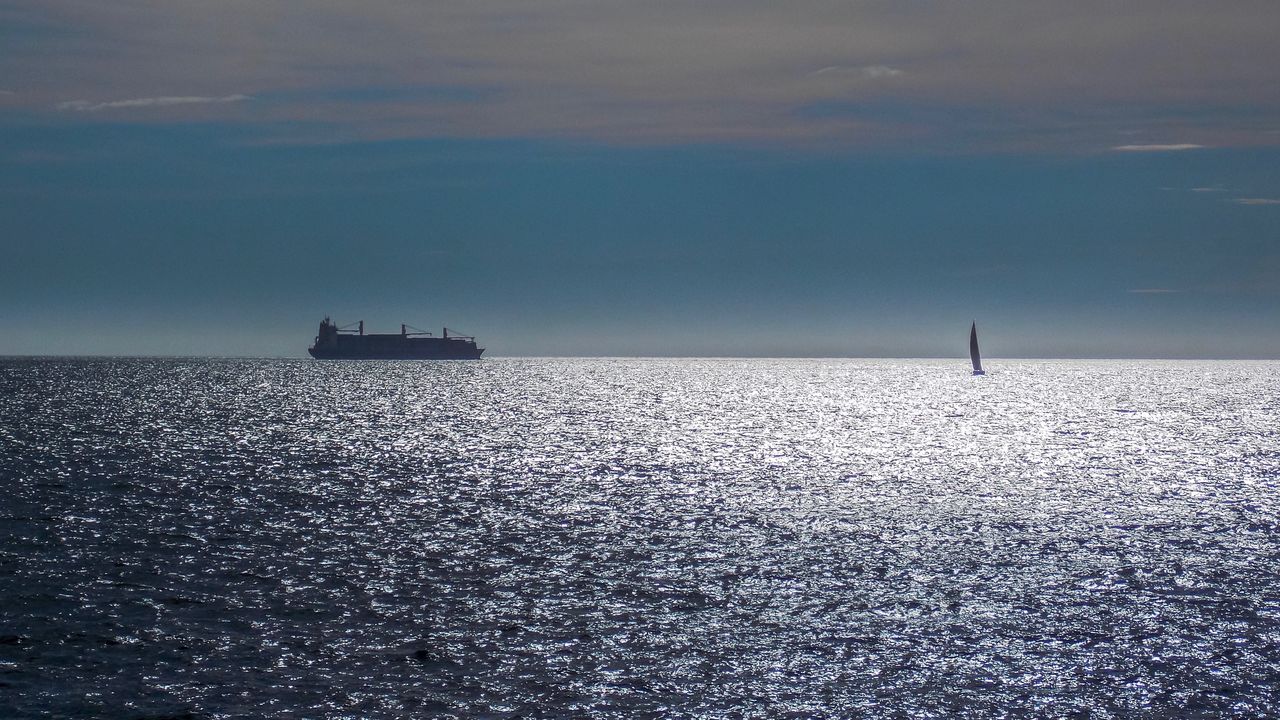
(335, 343)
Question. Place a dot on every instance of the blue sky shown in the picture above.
(643, 178)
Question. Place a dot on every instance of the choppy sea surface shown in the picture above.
(639, 538)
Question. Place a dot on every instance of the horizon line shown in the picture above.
(998, 359)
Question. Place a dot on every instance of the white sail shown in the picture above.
(974, 355)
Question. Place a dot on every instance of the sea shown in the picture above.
(639, 538)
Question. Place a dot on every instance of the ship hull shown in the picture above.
(322, 355)
(347, 354)
(395, 347)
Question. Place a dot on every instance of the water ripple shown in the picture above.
(623, 538)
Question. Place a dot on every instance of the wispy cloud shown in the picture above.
(866, 71)
(87, 106)
(1256, 201)
(1154, 291)
(1208, 189)
(1172, 147)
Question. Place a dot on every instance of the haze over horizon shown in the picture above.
(586, 178)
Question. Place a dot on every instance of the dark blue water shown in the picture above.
(638, 538)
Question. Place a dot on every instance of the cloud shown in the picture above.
(866, 71)
(1175, 147)
(1256, 201)
(1153, 291)
(1208, 189)
(1025, 74)
(87, 106)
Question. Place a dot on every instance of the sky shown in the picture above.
(559, 177)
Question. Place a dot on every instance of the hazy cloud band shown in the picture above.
(1022, 74)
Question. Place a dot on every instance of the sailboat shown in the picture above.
(974, 355)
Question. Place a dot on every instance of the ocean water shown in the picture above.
(639, 538)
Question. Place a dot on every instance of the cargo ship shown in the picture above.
(350, 343)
